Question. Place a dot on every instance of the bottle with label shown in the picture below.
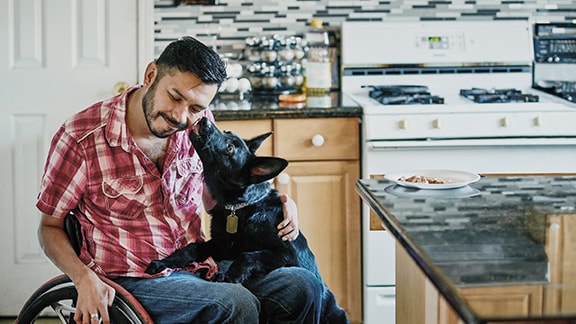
(317, 65)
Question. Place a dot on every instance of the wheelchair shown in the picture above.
(57, 297)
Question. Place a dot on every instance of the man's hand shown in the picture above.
(94, 297)
(288, 228)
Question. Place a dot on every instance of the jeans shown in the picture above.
(285, 295)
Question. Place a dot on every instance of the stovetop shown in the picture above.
(420, 95)
(475, 100)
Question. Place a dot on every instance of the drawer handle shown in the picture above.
(318, 140)
(283, 178)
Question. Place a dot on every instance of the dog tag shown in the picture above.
(232, 223)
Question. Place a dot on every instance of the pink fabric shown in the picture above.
(129, 212)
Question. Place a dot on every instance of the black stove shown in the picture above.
(403, 95)
(563, 89)
(479, 95)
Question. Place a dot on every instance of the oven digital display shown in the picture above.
(437, 42)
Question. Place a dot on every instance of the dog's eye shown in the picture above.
(230, 149)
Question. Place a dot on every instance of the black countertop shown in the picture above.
(492, 233)
(233, 107)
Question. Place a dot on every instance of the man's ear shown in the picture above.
(150, 73)
(263, 168)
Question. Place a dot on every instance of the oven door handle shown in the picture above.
(485, 142)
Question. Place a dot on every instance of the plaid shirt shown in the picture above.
(129, 212)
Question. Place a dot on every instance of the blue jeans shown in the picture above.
(285, 295)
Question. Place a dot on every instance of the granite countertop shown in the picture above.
(233, 107)
(491, 233)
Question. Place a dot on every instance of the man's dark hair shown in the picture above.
(187, 54)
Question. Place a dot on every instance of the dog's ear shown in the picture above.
(263, 168)
(254, 144)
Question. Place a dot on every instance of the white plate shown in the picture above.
(453, 178)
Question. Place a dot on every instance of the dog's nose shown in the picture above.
(203, 122)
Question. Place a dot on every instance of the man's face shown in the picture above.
(174, 102)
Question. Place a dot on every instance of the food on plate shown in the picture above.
(422, 179)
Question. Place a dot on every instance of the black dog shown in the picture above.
(244, 220)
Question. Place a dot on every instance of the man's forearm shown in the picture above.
(58, 248)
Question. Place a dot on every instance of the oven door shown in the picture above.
(478, 155)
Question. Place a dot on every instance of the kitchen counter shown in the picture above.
(497, 233)
(232, 107)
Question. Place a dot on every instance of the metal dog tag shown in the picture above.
(232, 223)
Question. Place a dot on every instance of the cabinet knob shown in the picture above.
(283, 178)
(318, 140)
(504, 122)
(436, 123)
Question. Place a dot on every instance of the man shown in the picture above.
(127, 169)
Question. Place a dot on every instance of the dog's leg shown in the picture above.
(253, 264)
(178, 259)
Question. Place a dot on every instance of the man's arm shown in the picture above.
(94, 296)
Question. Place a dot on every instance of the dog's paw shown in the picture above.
(155, 267)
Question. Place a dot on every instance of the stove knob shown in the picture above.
(403, 124)
(436, 123)
(537, 122)
(504, 122)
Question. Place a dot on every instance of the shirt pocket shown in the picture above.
(125, 197)
(187, 184)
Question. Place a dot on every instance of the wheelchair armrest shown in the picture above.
(73, 231)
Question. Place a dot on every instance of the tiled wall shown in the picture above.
(231, 21)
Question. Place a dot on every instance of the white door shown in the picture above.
(56, 58)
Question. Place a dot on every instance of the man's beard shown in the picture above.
(150, 116)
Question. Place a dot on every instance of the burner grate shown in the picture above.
(403, 95)
(479, 95)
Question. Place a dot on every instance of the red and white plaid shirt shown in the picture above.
(129, 212)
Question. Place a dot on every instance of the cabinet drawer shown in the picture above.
(316, 139)
(248, 129)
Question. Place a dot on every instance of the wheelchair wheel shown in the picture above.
(57, 298)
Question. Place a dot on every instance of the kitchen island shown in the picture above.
(502, 249)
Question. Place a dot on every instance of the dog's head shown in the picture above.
(231, 161)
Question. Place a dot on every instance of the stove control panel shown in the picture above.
(440, 42)
(555, 43)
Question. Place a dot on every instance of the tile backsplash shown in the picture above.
(228, 23)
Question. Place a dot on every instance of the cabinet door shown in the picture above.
(418, 301)
(250, 128)
(329, 217)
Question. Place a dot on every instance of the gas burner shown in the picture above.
(403, 95)
(497, 95)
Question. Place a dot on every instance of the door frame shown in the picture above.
(145, 34)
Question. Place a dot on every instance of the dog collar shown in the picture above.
(232, 219)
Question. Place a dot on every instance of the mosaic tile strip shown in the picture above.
(228, 23)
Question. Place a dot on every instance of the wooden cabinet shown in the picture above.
(249, 129)
(324, 164)
(418, 301)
